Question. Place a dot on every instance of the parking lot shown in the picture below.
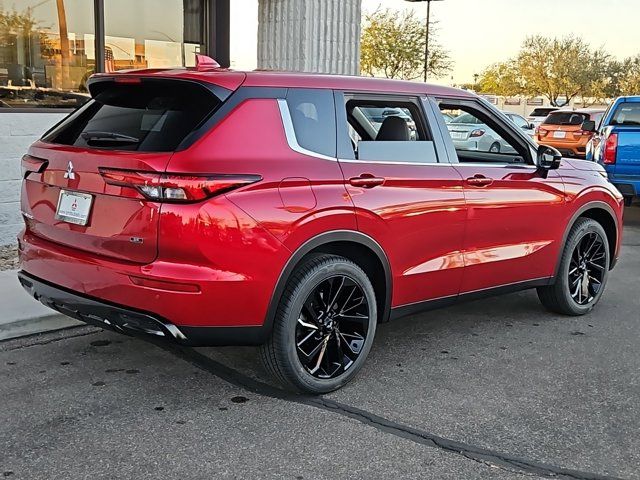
(496, 388)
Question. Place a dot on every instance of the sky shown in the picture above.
(478, 33)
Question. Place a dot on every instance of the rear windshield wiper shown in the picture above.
(106, 138)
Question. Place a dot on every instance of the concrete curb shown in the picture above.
(21, 315)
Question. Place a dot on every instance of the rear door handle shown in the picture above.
(479, 181)
(366, 180)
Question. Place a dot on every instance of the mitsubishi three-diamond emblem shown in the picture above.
(70, 173)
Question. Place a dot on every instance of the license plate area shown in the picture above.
(74, 207)
(559, 134)
(458, 135)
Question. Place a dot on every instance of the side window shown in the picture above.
(314, 120)
(479, 138)
(388, 129)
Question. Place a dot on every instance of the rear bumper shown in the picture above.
(207, 299)
(628, 185)
(122, 319)
(568, 149)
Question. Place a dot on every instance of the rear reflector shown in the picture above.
(611, 149)
(162, 285)
(33, 165)
(176, 188)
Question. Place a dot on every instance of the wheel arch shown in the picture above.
(357, 247)
(602, 213)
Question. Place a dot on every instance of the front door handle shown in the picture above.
(366, 180)
(479, 181)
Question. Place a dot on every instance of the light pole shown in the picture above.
(426, 43)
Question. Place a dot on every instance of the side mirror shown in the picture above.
(589, 126)
(532, 126)
(548, 159)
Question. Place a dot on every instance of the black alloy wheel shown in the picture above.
(324, 325)
(332, 327)
(582, 272)
(587, 268)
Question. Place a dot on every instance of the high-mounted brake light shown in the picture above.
(128, 80)
(176, 188)
(610, 149)
(477, 133)
(33, 165)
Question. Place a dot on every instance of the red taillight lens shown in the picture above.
(611, 149)
(176, 187)
(542, 131)
(33, 165)
(477, 133)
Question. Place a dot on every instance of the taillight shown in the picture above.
(176, 187)
(33, 165)
(477, 133)
(542, 131)
(610, 149)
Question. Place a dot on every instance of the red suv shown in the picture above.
(213, 207)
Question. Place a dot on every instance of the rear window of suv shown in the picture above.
(566, 118)
(627, 114)
(152, 116)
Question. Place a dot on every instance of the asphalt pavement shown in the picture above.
(497, 388)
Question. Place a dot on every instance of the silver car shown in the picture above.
(526, 126)
(470, 133)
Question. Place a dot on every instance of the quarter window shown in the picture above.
(314, 121)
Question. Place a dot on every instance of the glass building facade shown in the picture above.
(49, 48)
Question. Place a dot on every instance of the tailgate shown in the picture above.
(628, 158)
(132, 125)
(120, 224)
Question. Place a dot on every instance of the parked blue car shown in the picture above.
(616, 146)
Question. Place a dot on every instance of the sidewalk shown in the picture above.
(22, 315)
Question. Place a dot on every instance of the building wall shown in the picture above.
(321, 36)
(17, 132)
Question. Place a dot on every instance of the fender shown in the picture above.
(315, 242)
(587, 206)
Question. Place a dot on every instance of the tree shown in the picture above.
(393, 45)
(501, 79)
(629, 77)
(555, 68)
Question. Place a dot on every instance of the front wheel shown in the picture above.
(494, 148)
(324, 325)
(583, 271)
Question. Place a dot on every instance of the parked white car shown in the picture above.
(539, 115)
(526, 126)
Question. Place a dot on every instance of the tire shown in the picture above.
(494, 148)
(561, 296)
(302, 327)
